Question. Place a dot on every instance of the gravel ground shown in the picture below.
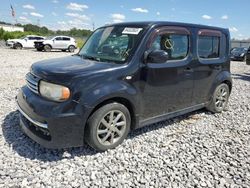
(196, 150)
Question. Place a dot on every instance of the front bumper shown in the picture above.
(51, 124)
(10, 44)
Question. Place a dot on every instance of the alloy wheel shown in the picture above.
(111, 127)
(221, 98)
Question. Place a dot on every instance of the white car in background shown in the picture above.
(56, 42)
(25, 42)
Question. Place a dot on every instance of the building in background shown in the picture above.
(11, 28)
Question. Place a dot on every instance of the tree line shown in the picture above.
(41, 30)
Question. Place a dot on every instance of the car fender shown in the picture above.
(111, 90)
(223, 76)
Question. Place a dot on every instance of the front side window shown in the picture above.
(176, 45)
(114, 43)
(208, 47)
(59, 38)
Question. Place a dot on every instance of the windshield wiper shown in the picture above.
(89, 57)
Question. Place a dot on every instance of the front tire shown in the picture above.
(18, 46)
(108, 126)
(71, 48)
(47, 48)
(219, 99)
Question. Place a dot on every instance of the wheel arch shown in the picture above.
(223, 77)
(122, 100)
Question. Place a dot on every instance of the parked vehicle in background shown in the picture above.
(248, 57)
(238, 54)
(126, 76)
(24, 42)
(56, 42)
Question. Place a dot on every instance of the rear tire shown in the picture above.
(108, 126)
(47, 48)
(219, 99)
(71, 48)
(18, 46)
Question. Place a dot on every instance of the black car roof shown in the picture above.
(163, 23)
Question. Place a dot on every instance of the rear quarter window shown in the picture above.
(212, 46)
(209, 47)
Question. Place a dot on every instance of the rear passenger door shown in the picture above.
(66, 42)
(212, 53)
(168, 86)
(58, 42)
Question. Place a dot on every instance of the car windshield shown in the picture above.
(112, 44)
(240, 50)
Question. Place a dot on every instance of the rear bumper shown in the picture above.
(48, 124)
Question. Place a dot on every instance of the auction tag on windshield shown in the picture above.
(131, 30)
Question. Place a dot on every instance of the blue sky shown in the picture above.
(65, 14)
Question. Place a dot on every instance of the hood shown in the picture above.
(13, 40)
(64, 69)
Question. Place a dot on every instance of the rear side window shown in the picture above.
(66, 38)
(176, 45)
(209, 44)
(208, 47)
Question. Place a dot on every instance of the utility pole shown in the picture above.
(93, 25)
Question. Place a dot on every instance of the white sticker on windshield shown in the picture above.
(131, 30)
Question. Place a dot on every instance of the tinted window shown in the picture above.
(31, 38)
(58, 38)
(208, 47)
(176, 45)
(66, 38)
(39, 38)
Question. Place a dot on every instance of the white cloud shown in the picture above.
(75, 6)
(158, 13)
(24, 19)
(55, 1)
(78, 16)
(224, 17)
(117, 21)
(54, 14)
(117, 18)
(25, 13)
(62, 25)
(29, 7)
(141, 10)
(233, 29)
(36, 14)
(207, 17)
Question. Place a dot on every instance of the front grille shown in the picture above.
(32, 82)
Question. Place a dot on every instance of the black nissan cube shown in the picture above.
(126, 76)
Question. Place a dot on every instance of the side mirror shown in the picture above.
(157, 56)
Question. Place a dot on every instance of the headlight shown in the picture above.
(53, 91)
(242, 54)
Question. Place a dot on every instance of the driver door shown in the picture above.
(169, 85)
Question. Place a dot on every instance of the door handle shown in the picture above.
(188, 70)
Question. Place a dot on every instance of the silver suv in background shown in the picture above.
(24, 42)
(56, 42)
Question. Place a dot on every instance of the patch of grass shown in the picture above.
(80, 42)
